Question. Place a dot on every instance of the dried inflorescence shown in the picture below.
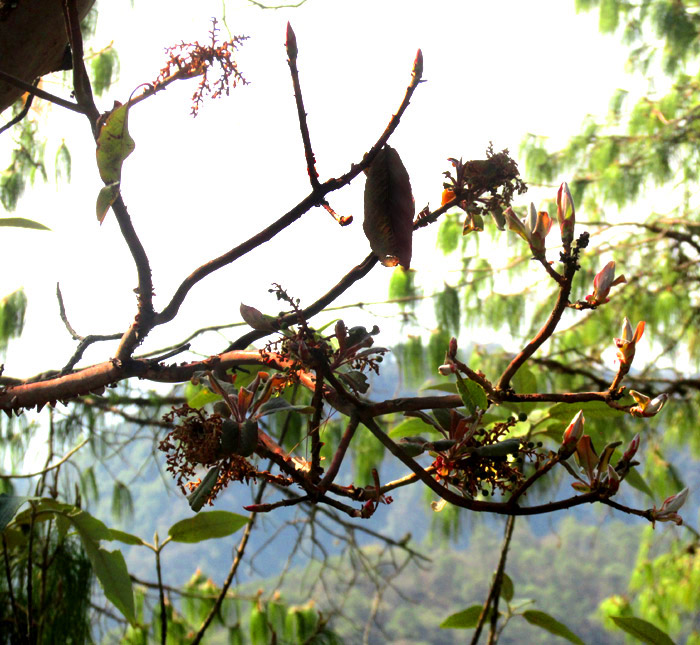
(187, 60)
(484, 462)
(195, 442)
(484, 186)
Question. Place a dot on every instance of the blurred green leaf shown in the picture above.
(206, 525)
(642, 630)
(551, 625)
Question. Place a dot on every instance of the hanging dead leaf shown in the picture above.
(389, 209)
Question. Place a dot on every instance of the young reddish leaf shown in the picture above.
(389, 209)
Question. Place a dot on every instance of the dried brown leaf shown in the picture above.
(389, 209)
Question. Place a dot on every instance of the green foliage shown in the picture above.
(447, 310)
(63, 163)
(26, 161)
(402, 286)
(105, 69)
(449, 234)
(12, 310)
(206, 525)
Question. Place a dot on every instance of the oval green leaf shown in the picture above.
(465, 619)
(642, 630)
(411, 427)
(551, 625)
(206, 525)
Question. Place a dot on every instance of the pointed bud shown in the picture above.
(631, 449)
(575, 430)
(602, 283)
(627, 343)
(647, 407)
(452, 352)
(667, 512)
(291, 43)
(566, 215)
(613, 480)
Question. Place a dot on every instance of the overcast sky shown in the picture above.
(196, 187)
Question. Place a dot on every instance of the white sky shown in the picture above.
(495, 71)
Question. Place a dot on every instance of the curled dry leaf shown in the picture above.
(389, 209)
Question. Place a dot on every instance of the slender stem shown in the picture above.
(161, 596)
(23, 112)
(63, 460)
(548, 328)
(495, 591)
(35, 91)
(30, 590)
(301, 113)
(339, 455)
(315, 427)
(10, 589)
(81, 80)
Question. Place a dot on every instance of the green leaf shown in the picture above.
(9, 505)
(411, 427)
(280, 404)
(126, 538)
(200, 495)
(259, 628)
(402, 284)
(106, 197)
(465, 619)
(591, 410)
(472, 394)
(441, 387)
(22, 222)
(642, 630)
(110, 569)
(114, 145)
(389, 209)
(507, 587)
(551, 625)
(635, 480)
(201, 397)
(206, 525)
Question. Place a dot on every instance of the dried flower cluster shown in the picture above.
(187, 60)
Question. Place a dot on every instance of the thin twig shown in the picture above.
(35, 91)
(81, 80)
(62, 461)
(495, 591)
(23, 112)
(292, 52)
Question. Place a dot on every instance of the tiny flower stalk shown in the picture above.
(566, 215)
(646, 406)
(604, 281)
(533, 230)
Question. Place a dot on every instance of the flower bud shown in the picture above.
(566, 215)
(574, 431)
(667, 512)
(602, 283)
